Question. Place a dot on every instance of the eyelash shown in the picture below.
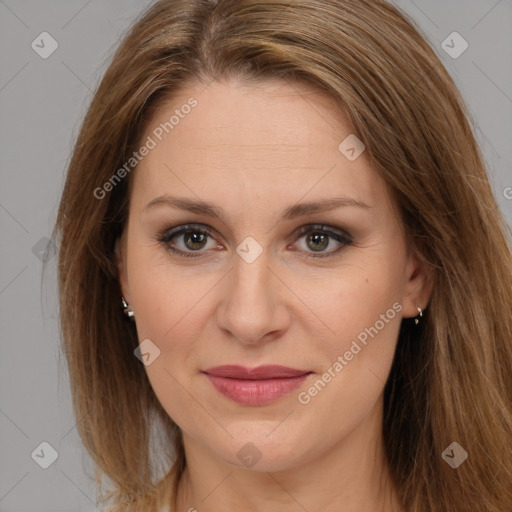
(168, 234)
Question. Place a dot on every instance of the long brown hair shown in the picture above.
(451, 379)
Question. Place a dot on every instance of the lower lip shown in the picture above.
(256, 392)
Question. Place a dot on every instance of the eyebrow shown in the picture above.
(292, 212)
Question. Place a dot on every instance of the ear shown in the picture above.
(418, 285)
(120, 253)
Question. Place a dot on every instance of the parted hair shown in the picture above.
(451, 379)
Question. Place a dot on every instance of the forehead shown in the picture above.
(252, 141)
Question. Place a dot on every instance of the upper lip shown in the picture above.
(258, 373)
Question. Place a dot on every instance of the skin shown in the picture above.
(255, 150)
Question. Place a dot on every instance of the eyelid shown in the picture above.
(323, 228)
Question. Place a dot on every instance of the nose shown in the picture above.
(253, 308)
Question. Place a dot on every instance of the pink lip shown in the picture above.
(256, 386)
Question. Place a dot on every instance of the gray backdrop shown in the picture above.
(44, 92)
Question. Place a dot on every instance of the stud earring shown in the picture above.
(126, 309)
(416, 320)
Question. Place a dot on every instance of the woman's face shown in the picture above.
(326, 301)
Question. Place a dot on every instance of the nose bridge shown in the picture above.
(251, 283)
(250, 308)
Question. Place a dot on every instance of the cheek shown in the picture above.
(364, 295)
(363, 311)
(169, 312)
(161, 293)
(356, 364)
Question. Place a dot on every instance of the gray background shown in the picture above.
(42, 102)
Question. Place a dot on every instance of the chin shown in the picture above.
(260, 451)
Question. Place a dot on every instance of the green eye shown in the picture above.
(195, 237)
(321, 237)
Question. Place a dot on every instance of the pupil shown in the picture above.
(316, 237)
(197, 238)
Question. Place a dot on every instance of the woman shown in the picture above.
(285, 283)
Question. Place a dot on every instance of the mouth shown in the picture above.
(255, 386)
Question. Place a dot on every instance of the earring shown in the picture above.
(416, 321)
(126, 309)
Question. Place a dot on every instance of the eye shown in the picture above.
(319, 237)
(195, 237)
